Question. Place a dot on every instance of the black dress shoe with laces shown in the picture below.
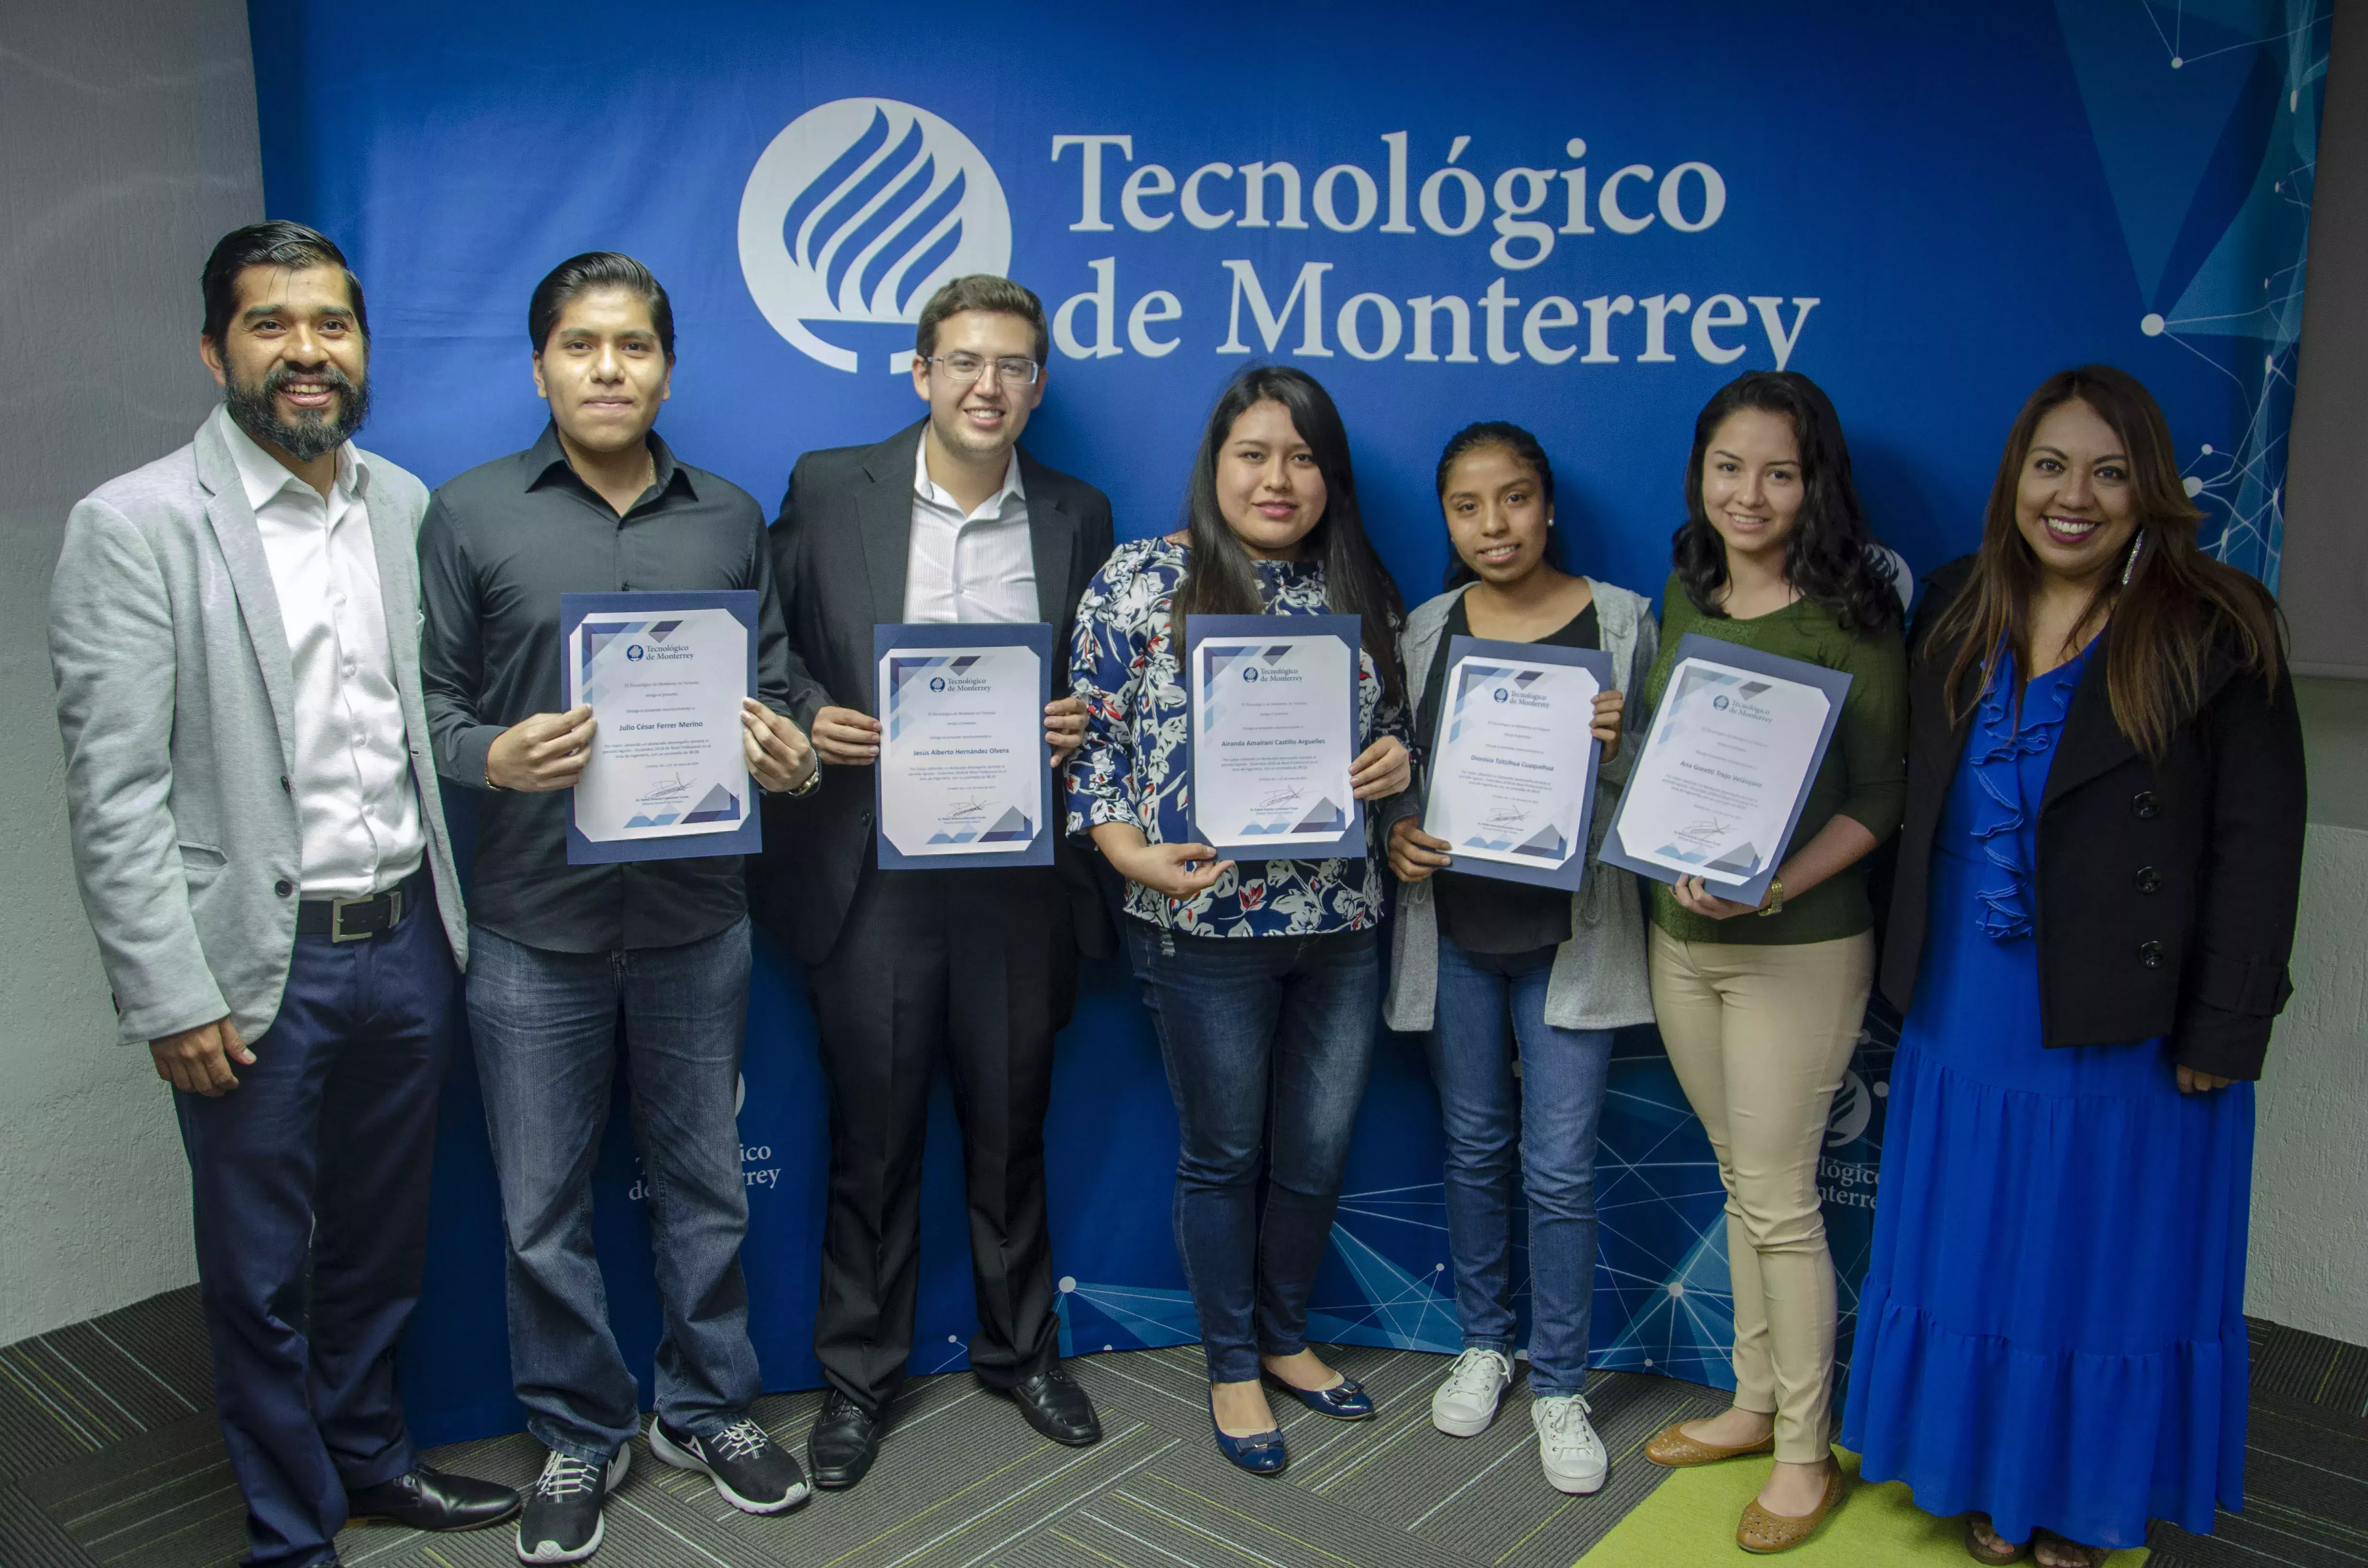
(432, 1499)
(845, 1441)
(1056, 1406)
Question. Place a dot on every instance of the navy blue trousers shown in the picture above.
(320, 1159)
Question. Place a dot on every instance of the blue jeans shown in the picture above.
(1546, 1119)
(1267, 1040)
(546, 1035)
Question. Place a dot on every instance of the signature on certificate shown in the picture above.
(1707, 832)
(1277, 799)
(675, 788)
(966, 811)
(1506, 817)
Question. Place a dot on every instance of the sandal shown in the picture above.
(2075, 1555)
(1980, 1525)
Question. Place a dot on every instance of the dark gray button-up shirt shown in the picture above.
(499, 546)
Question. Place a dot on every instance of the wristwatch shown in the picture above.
(1774, 903)
(814, 782)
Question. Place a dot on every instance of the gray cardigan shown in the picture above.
(1598, 981)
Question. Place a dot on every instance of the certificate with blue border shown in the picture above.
(665, 673)
(1509, 782)
(1718, 787)
(1271, 737)
(963, 781)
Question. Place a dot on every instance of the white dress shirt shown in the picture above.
(355, 802)
(968, 565)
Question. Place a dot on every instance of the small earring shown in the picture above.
(2130, 563)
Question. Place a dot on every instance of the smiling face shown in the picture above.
(1271, 490)
(982, 418)
(2073, 503)
(1496, 514)
(1752, 486)
(293, 359)
(604, 370)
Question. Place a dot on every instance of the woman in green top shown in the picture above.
(1760, 1014)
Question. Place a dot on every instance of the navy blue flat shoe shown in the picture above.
(1344, 1401)
(1260, 1454)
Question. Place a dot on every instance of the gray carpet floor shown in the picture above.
(109, 1455)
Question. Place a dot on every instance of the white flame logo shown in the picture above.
(857, 210)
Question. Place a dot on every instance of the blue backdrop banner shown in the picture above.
(1582, 217)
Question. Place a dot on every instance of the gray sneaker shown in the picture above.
(562, 1521)
(1571, 1453)
(1467, 1402)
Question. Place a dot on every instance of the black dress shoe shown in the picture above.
(845, 1441)
(1056, 1406)
(432, 1499)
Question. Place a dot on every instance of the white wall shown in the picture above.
(131, 136)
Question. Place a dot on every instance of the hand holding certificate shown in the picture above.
(1273, 737)
(964, 778)
(1719, 786)
(665, 676)
(1512, 769)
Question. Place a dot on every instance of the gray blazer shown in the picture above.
(1598, 981)
(174, 692)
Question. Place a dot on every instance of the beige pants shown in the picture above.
(1759, 1037)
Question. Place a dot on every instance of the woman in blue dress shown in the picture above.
(2087, 938)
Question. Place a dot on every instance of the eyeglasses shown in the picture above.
(1011, 371)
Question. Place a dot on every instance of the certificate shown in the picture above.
(1273, 734)
(665, 673)
(1718, 787)
(963, 780)
(1511, 772)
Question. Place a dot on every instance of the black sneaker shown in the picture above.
(751, 1471)
(562, 1522)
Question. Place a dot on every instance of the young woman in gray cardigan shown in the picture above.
(1483, 963)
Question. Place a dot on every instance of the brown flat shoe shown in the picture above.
(2065, 1550)
(1762, 1532)
(1671, 1447)
(1975, 1525)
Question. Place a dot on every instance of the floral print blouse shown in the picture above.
(1126, 663)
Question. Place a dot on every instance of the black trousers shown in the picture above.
(980, 968)
(321, 1155)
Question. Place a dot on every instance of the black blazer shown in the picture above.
(2165, 893)
(839, 551)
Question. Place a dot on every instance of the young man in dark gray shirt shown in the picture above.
(600, 505)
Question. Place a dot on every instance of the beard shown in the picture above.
(255, 407)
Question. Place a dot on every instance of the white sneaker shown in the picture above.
(1467, 1402)
(1567, 1447)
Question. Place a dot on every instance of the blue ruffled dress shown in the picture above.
(2052, 1329)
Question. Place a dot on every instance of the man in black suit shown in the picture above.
(945, 521)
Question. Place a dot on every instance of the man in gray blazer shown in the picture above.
(233, 630)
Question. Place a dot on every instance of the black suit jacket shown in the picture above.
(839, 551)
(2166, 892)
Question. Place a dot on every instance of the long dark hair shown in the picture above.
(1222, 579)
(1524, 449)
(2178, 605)
(1831, 557)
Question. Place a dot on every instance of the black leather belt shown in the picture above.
(358, 919)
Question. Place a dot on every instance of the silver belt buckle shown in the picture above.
(337, 907)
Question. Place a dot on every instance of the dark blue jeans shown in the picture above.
(1544, 1119)
(1267, 1040)
(545, 1025)
(322, 1155)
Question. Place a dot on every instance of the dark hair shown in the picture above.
(1222, 579)
(274, 243)
(1524, 449)
(2179, 603)
(981, 291)
(1831, 557)
(597, 269)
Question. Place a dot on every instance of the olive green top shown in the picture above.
(1863, 777)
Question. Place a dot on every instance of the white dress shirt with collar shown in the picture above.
(355, 802)
(969, 566)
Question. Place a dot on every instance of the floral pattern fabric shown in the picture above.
(1126, 663)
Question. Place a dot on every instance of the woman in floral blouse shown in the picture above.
(1264, 977)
